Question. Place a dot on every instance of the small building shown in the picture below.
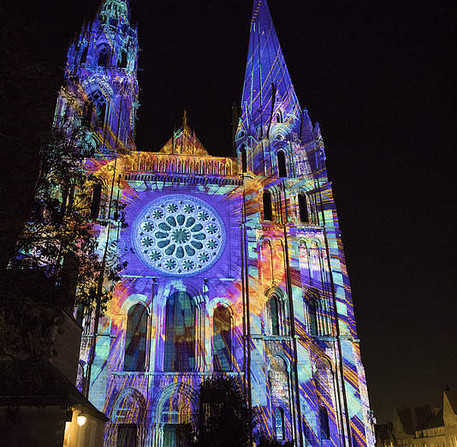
(422, 426)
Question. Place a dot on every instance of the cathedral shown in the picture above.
(233, 265)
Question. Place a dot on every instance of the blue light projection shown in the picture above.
(178, 235)
(218, 278)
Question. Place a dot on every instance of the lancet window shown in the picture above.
(273, 307)
(324, 392)
(319, 322)
(96, 199)
(267, 206)
(135, 339)
(282, 168)
(128, 416)
(303, 208)
(244, 162)
(222, 339)
(312, 310)
(180, 333)
(122, 62)
(276, 316)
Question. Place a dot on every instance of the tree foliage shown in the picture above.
(224, 418)
(59, 238)
(58, 254)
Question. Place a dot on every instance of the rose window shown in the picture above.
(178, 235)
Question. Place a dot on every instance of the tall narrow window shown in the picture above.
(274, 315)
(96, 199)
(126, 435)
(303, 208)
(100, 114)
(312, 310)
(222, 339)
(324, 391)
(135, 339)
(324, 423)
(244, 161)
(267, 206)
(282, 164)
(180, 333)
(123, 60)
(103, 57)
(279, 423)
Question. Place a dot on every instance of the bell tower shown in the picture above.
(99, 98)
(300, 270)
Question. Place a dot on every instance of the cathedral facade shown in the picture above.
(234, 265)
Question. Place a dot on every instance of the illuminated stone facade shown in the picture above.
(234, 265)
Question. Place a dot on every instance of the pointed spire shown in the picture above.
(267, 83)
(306, 133)
(317, 132)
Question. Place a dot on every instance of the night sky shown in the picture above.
(379, 78)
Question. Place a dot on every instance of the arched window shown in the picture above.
(312, 303)
(222, 339)
(96, 199)
(175, 416)
(135, 339)
(303, 208)
(267, 206)
(279, 423)
(282, 164)
(128, 414)
(312, 310)
(324, 391)
(122, 62)
(273, 307)
(279, 117)
(103, 57)
(324, 423)
(244, 161)
(180, 333)
(97, 104)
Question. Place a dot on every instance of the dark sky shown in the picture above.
(379, 78)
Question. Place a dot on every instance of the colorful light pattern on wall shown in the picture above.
(234, 265)
(178, 235)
